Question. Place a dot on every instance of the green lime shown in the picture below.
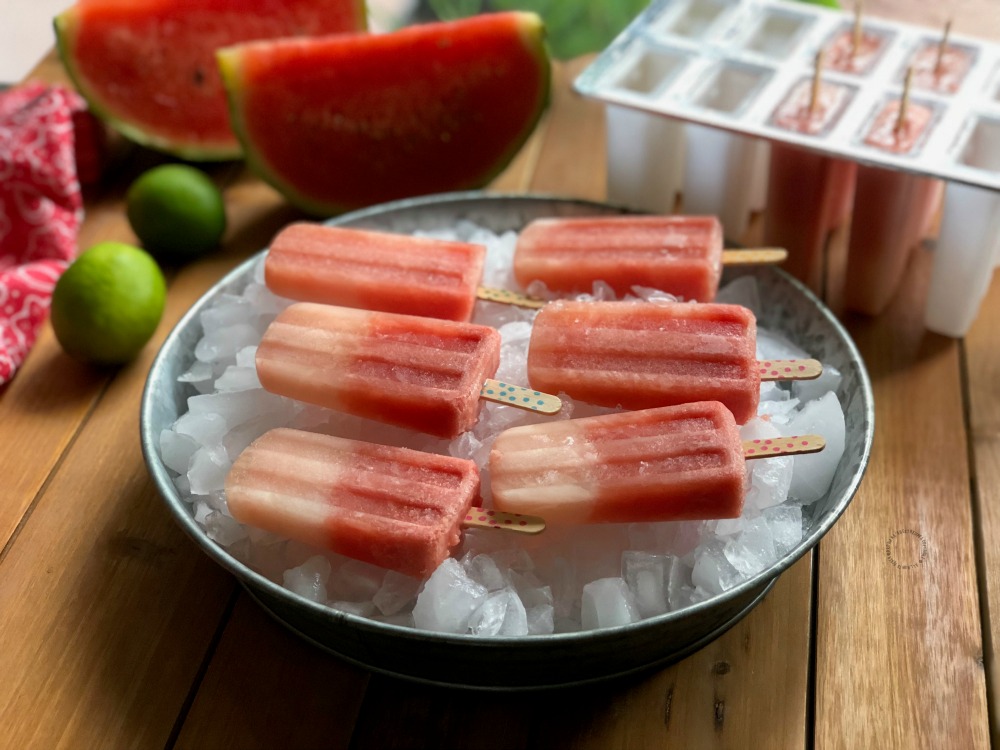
(107, 304)
(176, 211)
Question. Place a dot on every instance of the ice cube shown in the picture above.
(785, 523)
(646, 576)
(361, 609)
(540, 619)
(753, 550)
(309, 579)
(397, 593)
(607, 603)
(356, 581)
(773, 345)
(176, 450)
(448, 600)
(770, 478)
(829, 380)
(208, 470)
(502, 613)
(483, 570)
(813, 473)
(712, 572)
(237, 378)
(741, 291)
(206, 429)
(228, 311)
(223, 343)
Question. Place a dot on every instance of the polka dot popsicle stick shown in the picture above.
(507, 297)
(522, 398)
(790, 369)
(760, 256)
(481, 518)
(789, 446)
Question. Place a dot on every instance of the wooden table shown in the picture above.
(118, 632)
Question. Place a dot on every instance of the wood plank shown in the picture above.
(898, 606)
(983, 372)
(266, 688)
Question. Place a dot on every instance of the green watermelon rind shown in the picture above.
(63, 24)
(228, 58)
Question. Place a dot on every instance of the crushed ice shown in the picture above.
(565, 580)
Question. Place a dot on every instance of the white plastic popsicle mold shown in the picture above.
(694, 84)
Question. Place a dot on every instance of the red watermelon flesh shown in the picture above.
(341, 122)
(148, 66)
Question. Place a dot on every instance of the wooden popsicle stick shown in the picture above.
(904, 102)
(857, 34)
(816, 83)
(789, 446)
(790, 369)
(942, 47)
(755, 256)
(507, 297)
(480, 518)
(522, 398)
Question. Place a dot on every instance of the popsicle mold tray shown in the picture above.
(715, 73)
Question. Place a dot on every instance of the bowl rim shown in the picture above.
(249, 577)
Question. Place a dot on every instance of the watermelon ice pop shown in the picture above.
(375, 270)
(674, 463)
(640, 355)
(415, 372)
(892, 209)
(681, 255)
(393, 507)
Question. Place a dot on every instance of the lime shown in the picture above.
(107, 304)
(176, 211)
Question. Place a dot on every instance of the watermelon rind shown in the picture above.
(532, 35)
(65, 25)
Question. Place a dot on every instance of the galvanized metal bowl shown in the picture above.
(501, 663)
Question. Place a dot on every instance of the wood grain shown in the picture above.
(898, 606)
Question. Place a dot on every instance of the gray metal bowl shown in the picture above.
(501, 663)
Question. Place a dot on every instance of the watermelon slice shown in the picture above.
(340, 122)
(148, 67)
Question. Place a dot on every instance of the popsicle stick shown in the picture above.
(790, 369)
(790, 446)
(816, 82)
(856, 36)
(757, 256)
(942, 47)
(507, 297)
(480, 518)
(522, 398)
(904, 102)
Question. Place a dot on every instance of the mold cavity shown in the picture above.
(650, 70)
(729, 87)
(776, 34)
(982, 150)
(695, 18)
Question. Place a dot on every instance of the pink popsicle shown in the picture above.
(809, 195)
(375, 270)
(940, 70)
(641, 355)
(891, 212)
(411, 371)
(672, 463)
(681, 255)
(394, 507)
(843, 55)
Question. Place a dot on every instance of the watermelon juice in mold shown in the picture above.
(854, 52)
(968, 244)
(940, 67)
(809, 195)
(891, 207)
(645, 151)
(724, 173)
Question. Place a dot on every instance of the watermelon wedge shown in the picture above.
(340, 122)
(148, 66)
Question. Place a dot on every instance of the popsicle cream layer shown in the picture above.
(375, 270)
(405, 370)
(393, 507)
(641, 355)
(681, 255)
(668, 464)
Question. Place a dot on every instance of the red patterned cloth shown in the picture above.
(40, 210)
